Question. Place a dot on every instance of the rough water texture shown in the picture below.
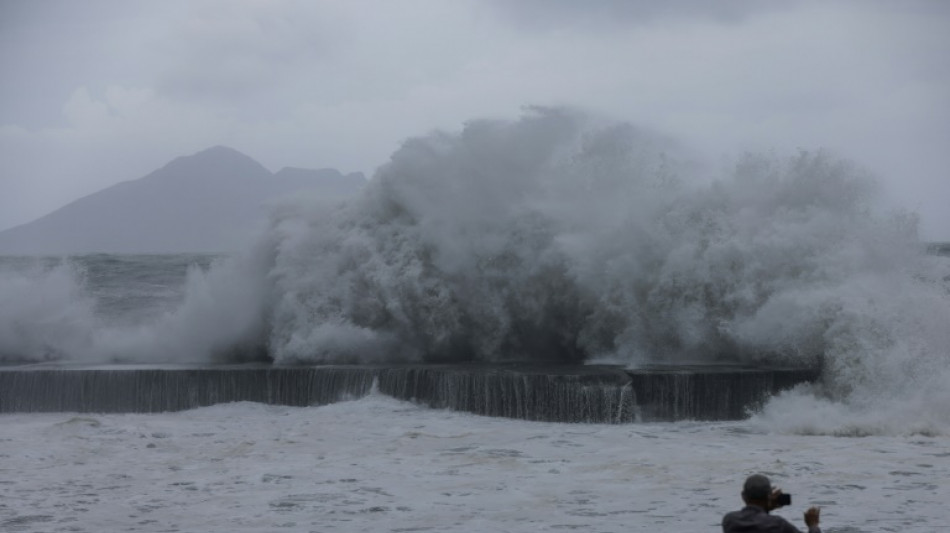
(380, 465)
(563, 238)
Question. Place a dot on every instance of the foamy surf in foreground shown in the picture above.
(563, 238)
(381, 465)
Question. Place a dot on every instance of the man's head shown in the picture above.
(757, 489)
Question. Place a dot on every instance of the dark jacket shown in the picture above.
(753, 519)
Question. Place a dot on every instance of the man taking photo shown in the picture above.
(760, 498)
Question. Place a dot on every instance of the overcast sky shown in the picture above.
(102, 91)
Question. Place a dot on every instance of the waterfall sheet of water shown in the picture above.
(593, 394)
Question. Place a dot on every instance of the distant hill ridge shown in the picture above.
(211, 201)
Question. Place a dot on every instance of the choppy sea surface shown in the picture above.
(122, 289)
(378, 464)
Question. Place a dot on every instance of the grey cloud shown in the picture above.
(50, 48)
(224, 52)
(548, 14)
(342, 83)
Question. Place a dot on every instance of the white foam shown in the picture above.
(45, 313)
(380, 465)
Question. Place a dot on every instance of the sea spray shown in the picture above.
(471, 246)
(886, 363)
(44, 312)
(561, 238)
(101, 308)
(220, 319)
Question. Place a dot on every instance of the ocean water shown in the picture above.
(122, 289)
(378, 464)
(556, 237)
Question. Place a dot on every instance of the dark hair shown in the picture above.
(757, 487)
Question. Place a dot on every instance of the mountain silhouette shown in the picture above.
(211, 201)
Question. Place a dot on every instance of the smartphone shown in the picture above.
(783, 500)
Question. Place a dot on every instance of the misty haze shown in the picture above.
(213, 201)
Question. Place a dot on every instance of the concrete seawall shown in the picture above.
(595, 393)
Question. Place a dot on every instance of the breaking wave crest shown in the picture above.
(45, 314)
(559, 239)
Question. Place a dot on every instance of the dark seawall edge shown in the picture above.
(526, 391)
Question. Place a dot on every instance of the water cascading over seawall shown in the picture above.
(705, 392)
(594, 393)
